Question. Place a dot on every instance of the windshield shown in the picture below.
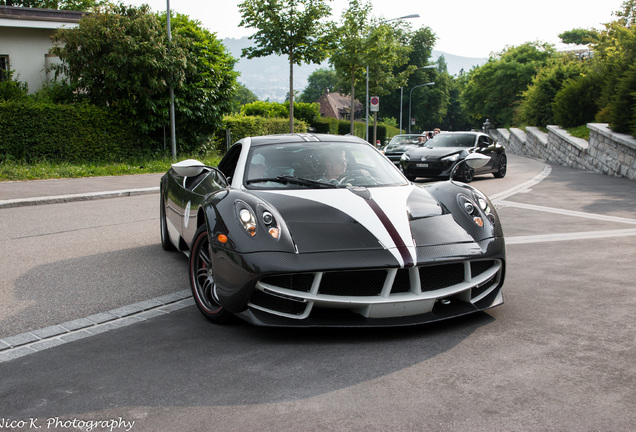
(407, 139)
(319, 165)
(452, 140)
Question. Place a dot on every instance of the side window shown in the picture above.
(228, 164)
(484, 141)
(4, 67)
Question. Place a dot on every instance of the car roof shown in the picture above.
(303, 137)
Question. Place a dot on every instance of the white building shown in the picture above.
(26, 36)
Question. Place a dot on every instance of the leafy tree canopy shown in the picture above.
(579, 36)
(293, 28)
(120, 57)
(318, 82)
(494, 89)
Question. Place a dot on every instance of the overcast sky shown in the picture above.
(468, 28)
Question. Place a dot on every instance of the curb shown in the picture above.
(56, 199)
(33, 341)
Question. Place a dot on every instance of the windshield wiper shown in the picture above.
(287, 179)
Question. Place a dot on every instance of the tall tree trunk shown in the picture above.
(291, 92)
(353, 105)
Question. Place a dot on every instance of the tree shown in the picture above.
(494, 89)
(350, 60)
(294, 28)
(75, 5)
(612, 65)
(242, 96)
(536, 105)
(374, 44)
(318, 82)
(579, 36)
(120, 58)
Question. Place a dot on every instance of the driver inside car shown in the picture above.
(335, 165)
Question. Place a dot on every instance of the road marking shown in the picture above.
(584, 235)
(596, 216)
(523, 187)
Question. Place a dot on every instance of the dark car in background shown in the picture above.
(436, 158)
(399, 143)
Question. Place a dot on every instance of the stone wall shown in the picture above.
(606, 152)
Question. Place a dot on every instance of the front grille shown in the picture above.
(295, 282)
(294, 295)
(478, 267)
(441, 276)
(277, 303)
(353, 283)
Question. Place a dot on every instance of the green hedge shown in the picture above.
(241, 126)
(70, 133)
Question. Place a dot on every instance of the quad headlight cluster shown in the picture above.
(476, 207)
(251, 220)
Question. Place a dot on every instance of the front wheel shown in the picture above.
(502, 167)
(202, 278)
(468, 175)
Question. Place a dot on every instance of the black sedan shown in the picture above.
(323, 230)
(399, 143)
(438, 156)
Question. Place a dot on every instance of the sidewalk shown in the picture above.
(35, 192)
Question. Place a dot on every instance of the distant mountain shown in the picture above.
(268, 77)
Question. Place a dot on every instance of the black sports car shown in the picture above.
(399, 143)
(323, 230)
(438, 156)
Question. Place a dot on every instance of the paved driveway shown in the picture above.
(557, 356)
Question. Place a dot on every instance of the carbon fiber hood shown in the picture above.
(393, 219)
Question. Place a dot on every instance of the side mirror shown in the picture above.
(188, 168)
(473, 160)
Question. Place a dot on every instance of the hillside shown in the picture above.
(268, 77)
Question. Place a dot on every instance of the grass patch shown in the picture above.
(11, 170)
(580, 132)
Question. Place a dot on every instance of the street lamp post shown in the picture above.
(402, 95)
(366, 118)
(173, 138)
(411, 97)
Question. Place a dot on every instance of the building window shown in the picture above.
(4, 67)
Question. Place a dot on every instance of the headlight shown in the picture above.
(405, 157)
(471, 209)
(254, 221)
(247, 219)
(484, 205)
(451, 158)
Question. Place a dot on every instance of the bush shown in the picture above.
(575, 104)
(241, 126)
(307, 112)
(11, 90)
(69, 133)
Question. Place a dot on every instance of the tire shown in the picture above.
(166, 244)
(503, 167)
(202, 279)
(468, 175)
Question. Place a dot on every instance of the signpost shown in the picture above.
(375, 107)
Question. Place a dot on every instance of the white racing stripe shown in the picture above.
(392, 201)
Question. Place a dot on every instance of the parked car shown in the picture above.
(323, 230)
(399, 143)
(438, 156)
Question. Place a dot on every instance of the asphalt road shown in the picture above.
(559, 355)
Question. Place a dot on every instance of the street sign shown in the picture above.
(375, 103)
